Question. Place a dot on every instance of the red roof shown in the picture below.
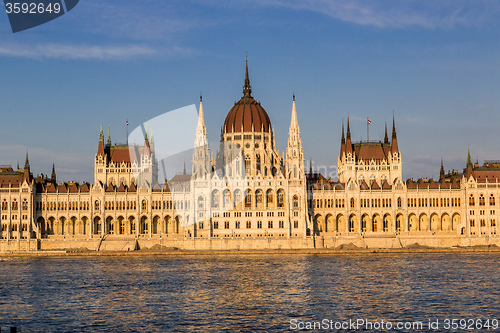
(368, 151)
(245, 113)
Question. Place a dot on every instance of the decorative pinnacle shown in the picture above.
(101, 135)
(247, 88)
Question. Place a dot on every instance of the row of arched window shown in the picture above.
(482, 200)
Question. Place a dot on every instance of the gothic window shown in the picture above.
(25, 204)
(258, 163)
(492, 200)
(144, 204)
(281, 199)
(399, 202)
(372, 179)
(5, 205)
(269, 197)
(237, 225)
(201, 202)
(226, 225)
(270, 224)
(295, 201)
(259, 197)
(481, 200)
(247, 165)
(215, 199)
(352, 202)
(96, 205)
(249, 224)
(248, 199)
(237, 197)
(471, 200)
(227, 199)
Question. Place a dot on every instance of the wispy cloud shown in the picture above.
(397, 13)
(77, 52)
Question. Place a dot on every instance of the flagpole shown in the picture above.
(127, 132)
(367, 129)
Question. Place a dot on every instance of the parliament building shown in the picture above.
(248, 195)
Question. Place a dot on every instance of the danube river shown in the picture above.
(247, 293)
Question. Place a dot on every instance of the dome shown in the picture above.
(247, 113)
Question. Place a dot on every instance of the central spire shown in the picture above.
(247, 88)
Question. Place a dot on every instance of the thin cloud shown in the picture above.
(76, 52)
(397, 13)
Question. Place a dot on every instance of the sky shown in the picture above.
(434, 65)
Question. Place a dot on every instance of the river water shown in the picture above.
(247, 293)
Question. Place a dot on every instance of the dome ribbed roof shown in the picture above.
(247, 112)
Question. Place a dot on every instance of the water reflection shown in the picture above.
(242, 293)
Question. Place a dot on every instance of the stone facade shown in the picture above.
(249, 196)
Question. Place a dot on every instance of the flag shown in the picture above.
(369, 121)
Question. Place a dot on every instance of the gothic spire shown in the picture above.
(393, 128)
(469, 161)
(27, 167)
(386, 138)
(247, 88)
(294, 122)
(441, 171)
(348, 143)
(394, 143)
(348, 136)
(53, 176)
(342, 141)
(108, 143)
(101, 135)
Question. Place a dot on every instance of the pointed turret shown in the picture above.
(53, 176)
(108, 143)
(293, 122)
(348, 142)
(294, 152)
(342, 141)
(27, 168)
(386, 138)
(394, 143)
(247, 88)
(441, 171)
(201, 153)
(100, 147)
(468, 169)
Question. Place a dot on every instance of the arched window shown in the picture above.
(295, 201)
(144, 204)
(269, 197)
(248, 199)
(492, 200)
(237, 197)
(215, 199)
(201, 202)
(25, 204)
(481, 200)
(227, 199)
(247, 165)
(15, 205)
(259, 197)
(472, 201)
(281, 199)
(96, 205)
(399, 202)
(352, 202)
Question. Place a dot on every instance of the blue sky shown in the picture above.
(435, 64)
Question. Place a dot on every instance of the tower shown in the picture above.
(202, 165)
(294, 152)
